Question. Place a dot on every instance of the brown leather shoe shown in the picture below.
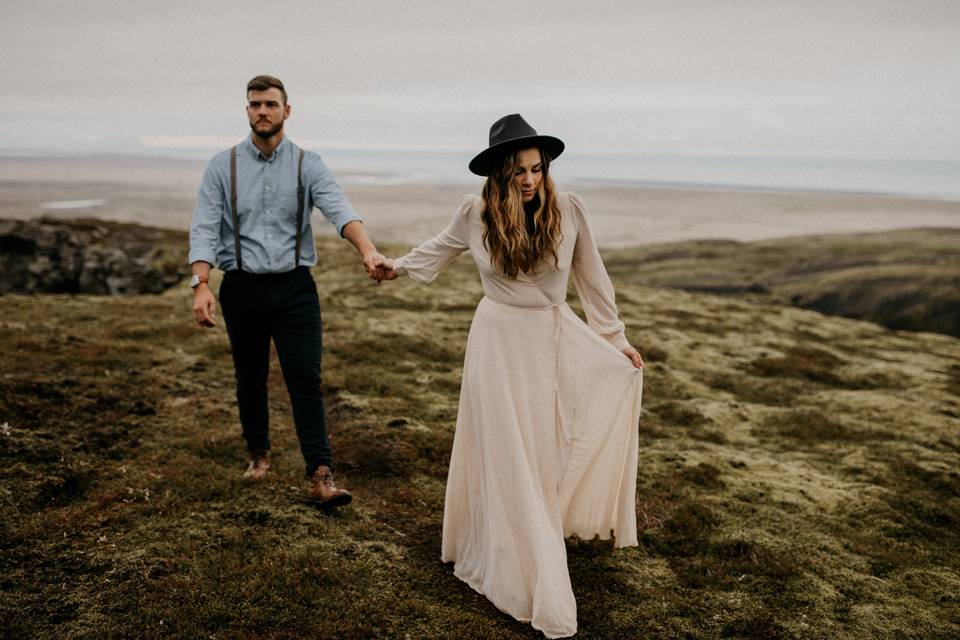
(324, 493)
(259, 463)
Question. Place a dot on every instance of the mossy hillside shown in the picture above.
(798, 475)
(907, 279)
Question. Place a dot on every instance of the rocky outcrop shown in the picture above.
(89, 256)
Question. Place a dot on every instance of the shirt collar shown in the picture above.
(255, 153)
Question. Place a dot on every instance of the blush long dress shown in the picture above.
(546, 437)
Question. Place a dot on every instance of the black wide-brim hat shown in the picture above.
(509, 133)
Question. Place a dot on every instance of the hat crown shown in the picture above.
(512, 132)
(510, 127)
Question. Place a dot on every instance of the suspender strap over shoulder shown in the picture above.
(300, 206)
(301, 203)
(233, 205)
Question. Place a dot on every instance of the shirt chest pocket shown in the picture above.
(289, 204)
(280, 203)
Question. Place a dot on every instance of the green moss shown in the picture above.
(123, 514)
(808, 426)
(674, 413)
(807, 363)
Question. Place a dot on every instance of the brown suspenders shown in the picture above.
(300, 198)
(301, 192)
(233, 206)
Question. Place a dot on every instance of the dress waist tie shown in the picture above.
(557, 310)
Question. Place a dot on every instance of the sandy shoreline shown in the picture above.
(161, 193)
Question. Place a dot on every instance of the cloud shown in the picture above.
(852, 76)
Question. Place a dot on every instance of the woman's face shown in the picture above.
(529, 173)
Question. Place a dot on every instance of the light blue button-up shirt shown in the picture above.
(267, 209)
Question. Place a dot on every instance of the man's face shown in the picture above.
(266, 112)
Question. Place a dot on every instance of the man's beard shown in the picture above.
(269, 133)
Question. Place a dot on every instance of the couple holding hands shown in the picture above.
(546, 436)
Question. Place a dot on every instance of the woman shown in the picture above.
(546, 438)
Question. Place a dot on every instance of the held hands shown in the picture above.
(379, 267)
(633, 356)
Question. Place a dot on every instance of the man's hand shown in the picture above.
(204, 306)
(372, 259)
(372, 262)
(634, 356)
(385, 270)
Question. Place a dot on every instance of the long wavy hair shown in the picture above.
(512, 249)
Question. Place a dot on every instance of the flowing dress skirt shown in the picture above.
(545, 448)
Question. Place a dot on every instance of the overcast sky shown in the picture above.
(818, 78)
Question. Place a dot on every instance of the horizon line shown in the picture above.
(193, 153)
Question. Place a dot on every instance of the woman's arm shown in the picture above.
(594, 287)
(426, 261)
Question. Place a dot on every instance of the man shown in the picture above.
(253, 200)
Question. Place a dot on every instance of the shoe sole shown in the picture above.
(339, 501)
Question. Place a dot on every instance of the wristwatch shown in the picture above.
(196, 280)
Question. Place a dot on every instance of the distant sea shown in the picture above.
(937, 179)
(407, 196)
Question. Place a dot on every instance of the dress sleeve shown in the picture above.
(426, 261)
(592, 282)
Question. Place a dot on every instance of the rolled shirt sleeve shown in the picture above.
(208, 215)
(327, 195)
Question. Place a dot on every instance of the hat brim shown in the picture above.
(484, 161)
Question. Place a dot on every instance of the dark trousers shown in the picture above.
(285, 307)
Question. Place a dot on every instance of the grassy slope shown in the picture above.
(798, 475)
(907, 279)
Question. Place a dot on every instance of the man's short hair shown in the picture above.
(262, 83)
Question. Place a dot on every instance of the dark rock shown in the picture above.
(89, 256)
